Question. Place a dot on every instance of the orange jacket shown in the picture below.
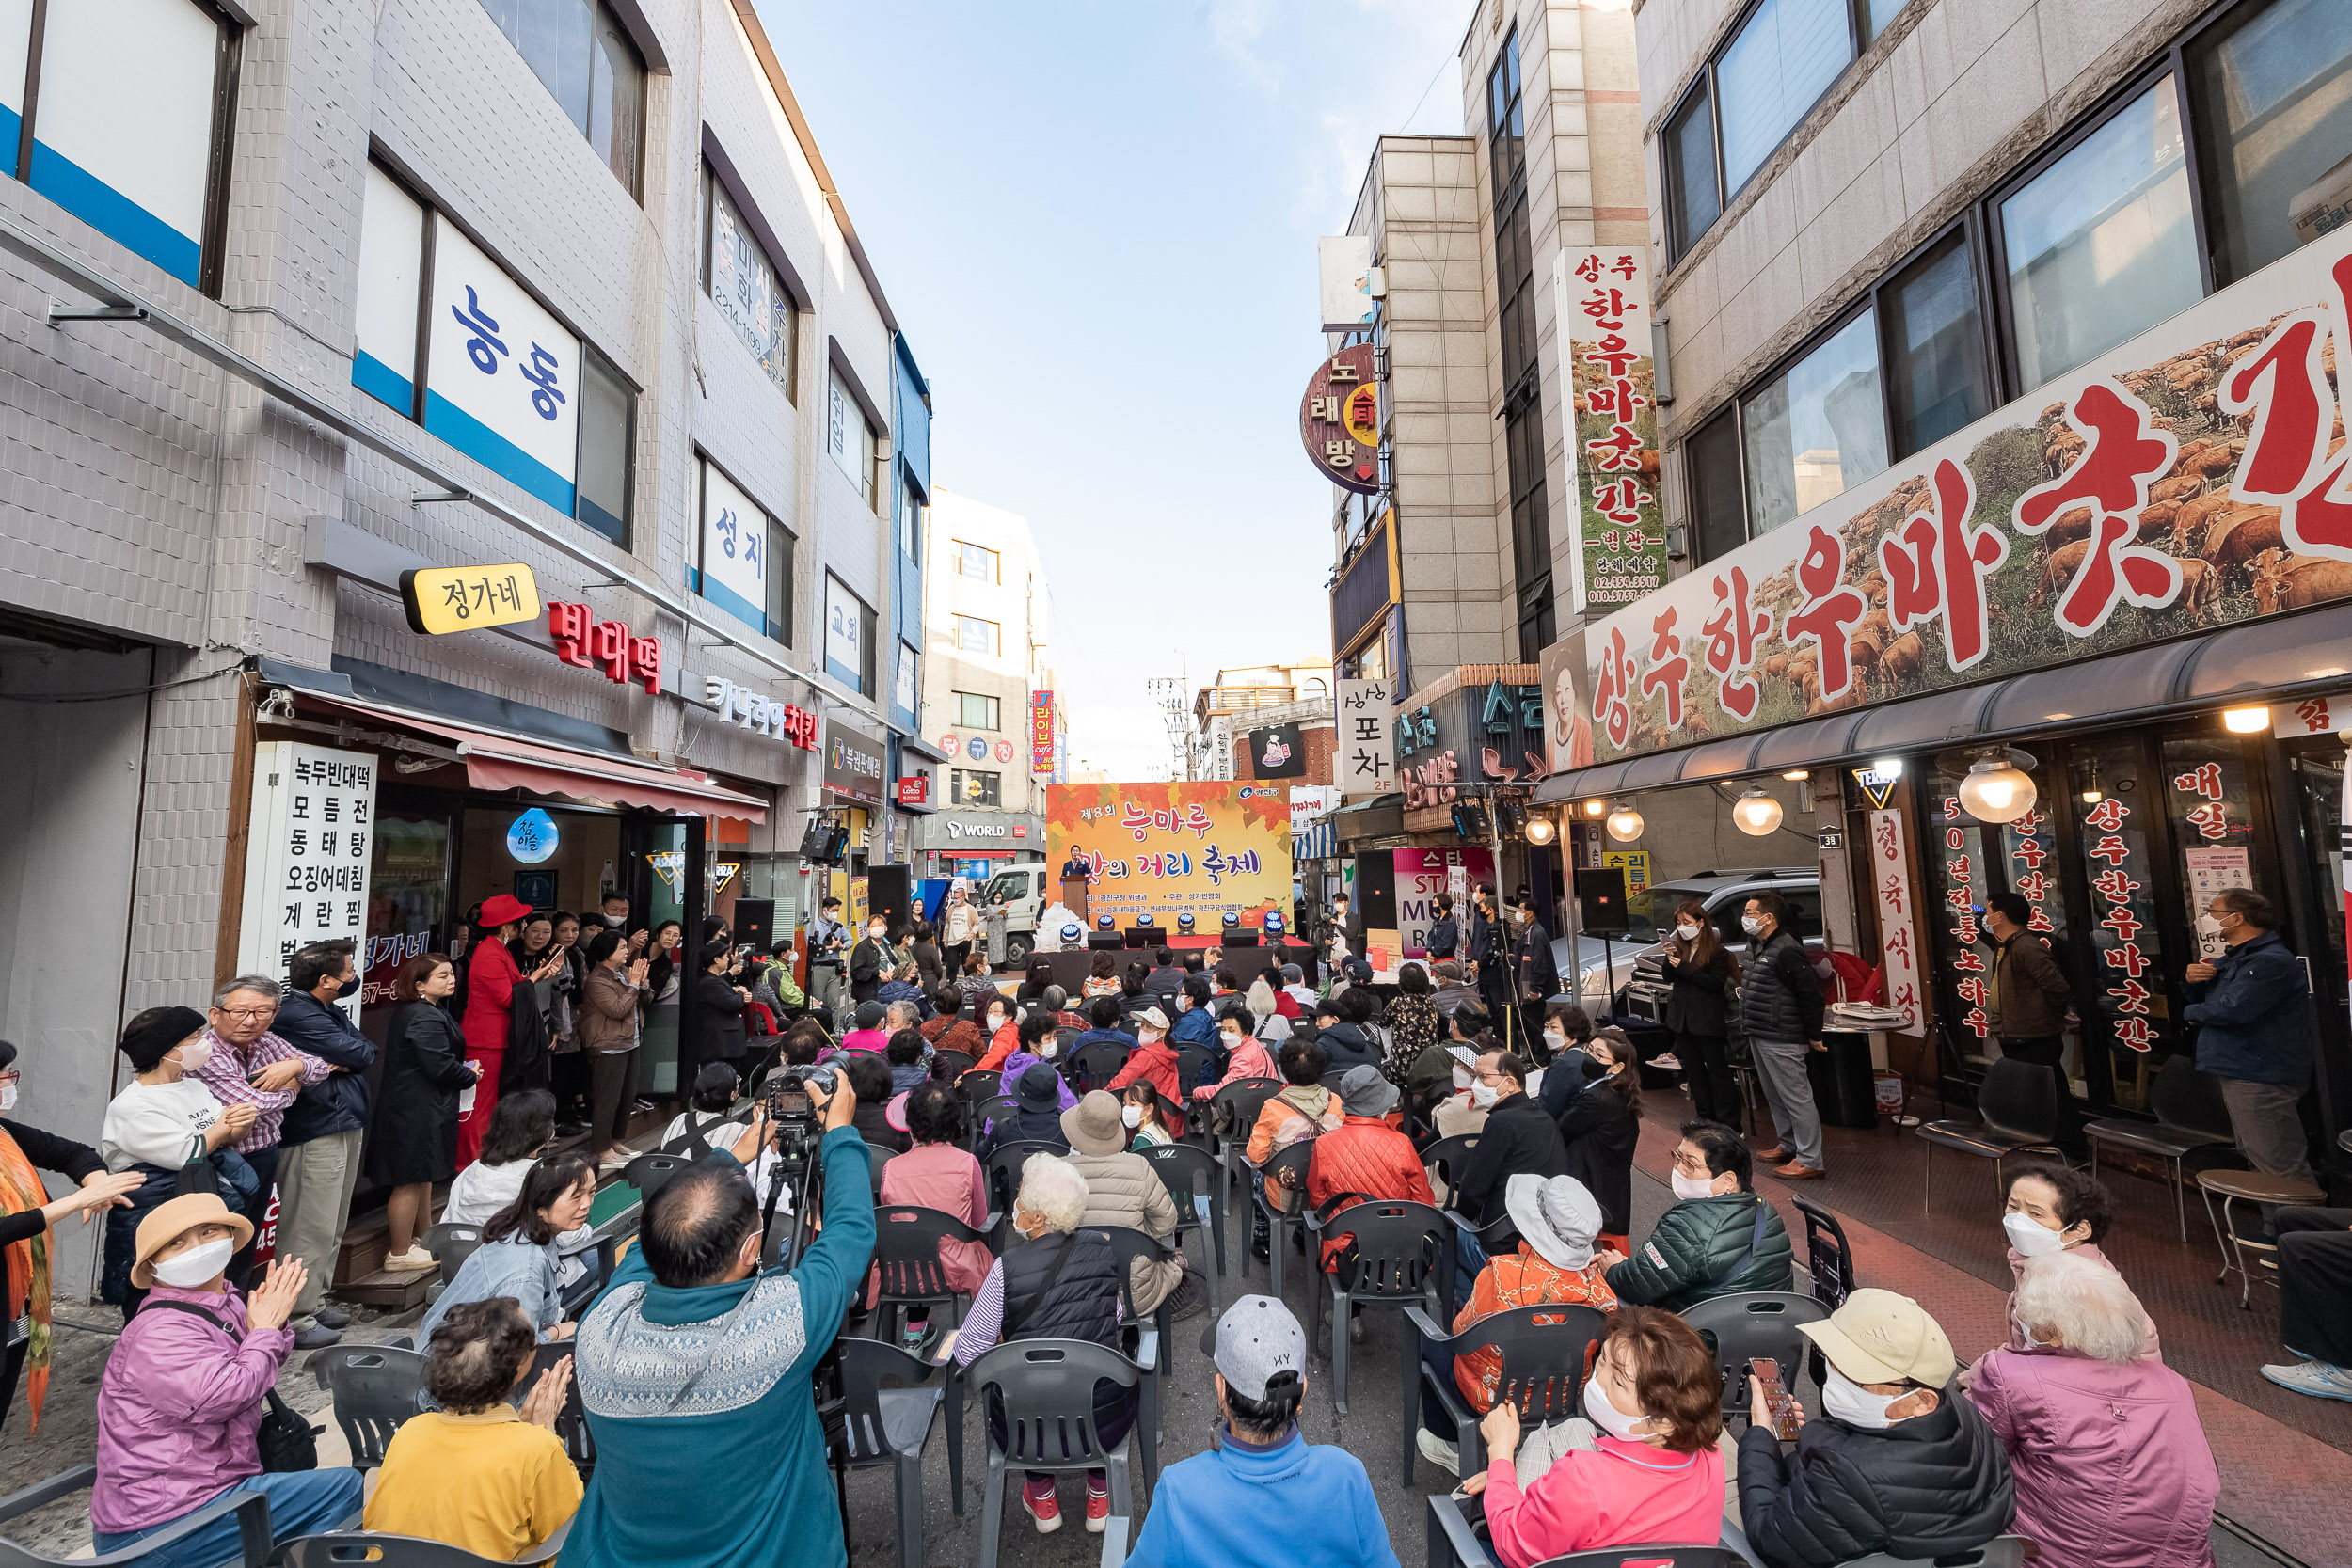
(1371, 1159)
(1524, 1279)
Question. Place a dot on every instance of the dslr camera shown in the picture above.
(792, 1113)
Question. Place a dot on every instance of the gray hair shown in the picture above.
(2087, 1304)
(905, 1012)
(259, 985)
(1292, 974)
(1053, 996)
(1053, 1191)
(2249, 906)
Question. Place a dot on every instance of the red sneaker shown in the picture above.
(1098, 1506)
(1045, 1510)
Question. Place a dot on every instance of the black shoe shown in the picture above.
(333, 1316)
(571, 1129)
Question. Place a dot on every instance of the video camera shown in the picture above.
(793, 1132)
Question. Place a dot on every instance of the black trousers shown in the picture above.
(11, 1368)
(2315, 1283)
(2050, 1050)
(1707, 1070)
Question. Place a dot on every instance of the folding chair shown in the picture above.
(2016, 1114)
(1542, 1350)
(1232, 1114)
(1186, 1170)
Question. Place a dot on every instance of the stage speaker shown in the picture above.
(1104, 941)
(1145, 936)
(1601, 900)
(756, 923)
(887, 894)
(1244, 938)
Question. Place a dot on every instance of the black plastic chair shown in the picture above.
(977, 1086)
(886, 1415)
(1443, 1158)
(1134, 1246)
(450, 1245)
(1402, 1251)
(1828, 1255)
(1092, 1067)
(996, 1107)
(1497, 1237)
(571, 1423)
(1046, 1390)
(906, 1258)
(1190, 1174)
(951, 1064)
(376, 1387)
(1738, 1328)
(877, 1156)
(1232, 1114)
(1001, 1169)
(1542, 1350)
(650, 1173)
(249, 1509)
(1281, 1224)
(2016, 1113)
(348, 1548)
(1196, 1066)
(2190, 1115)
(1455, 1543)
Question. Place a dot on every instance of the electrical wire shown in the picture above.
(127, 691)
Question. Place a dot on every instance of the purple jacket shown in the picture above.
(177, 1409)
(2111, 1462)
(1020, 1061)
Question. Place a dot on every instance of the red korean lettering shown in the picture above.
(1971, 990)
(2131, 997)
(1589, 269)
(2115, 885)
(2033, 887)
(2311, 713)
(1624, 267)
(1136, 821)
(2126, 451)
(2029, 853)
(2128, 957)
(1613, 692)
(1958, 867)
(1830, 613)
(2107, 816)
(1975, 1022)
(1606, 303)
(644, 662)
(1905, 1001)
(1612, 356)
(608, 644)
(2211, 822)
(1892, 895)
(2122, 921)
(2134, 1032)
(567, 625)
(1958, 898)
(1732, 633)
(1621, 500)
(1618, 451)
(2283, 387)
(1966, 928)
(1668, 666)
(2038, 921)
(2204, 781)
(1937, 565)
(2110, 849)
(1968, 962)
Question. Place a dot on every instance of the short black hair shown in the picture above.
(695, 1225)
(804, 1041)
(1131, 983)
(1302, 1060)
(1471, 1017)
(1574, 1021)
(1165, 956)
(1511, 1065)
(479, 1348)
(520, 1125)
(1102, 1012)
(1413, 980)
(1235, 1013)
(2009, 906)
(1036, 1024)
(933, 1114)
(1263, 1420)
(829, 902)
(601, 945)
(1226, 978)
(1769, 902)
(905, 1048)
(321, 961)
(2082, 1198)
(1197, 990)
(715, 1087)
(1358, 1004)
(544, 1184)
(1726, 1151)
(869, 1075)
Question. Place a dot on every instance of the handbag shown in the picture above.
(284, 1440)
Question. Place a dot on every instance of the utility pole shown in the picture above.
(1167, 695)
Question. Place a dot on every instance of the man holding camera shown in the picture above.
(695, 1354)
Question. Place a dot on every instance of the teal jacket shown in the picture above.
(1695, 1253)
(686, 1386)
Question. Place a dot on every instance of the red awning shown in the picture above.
(494, 761)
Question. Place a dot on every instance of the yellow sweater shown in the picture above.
(492, 1484)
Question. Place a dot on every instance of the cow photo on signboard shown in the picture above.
(1278, 752)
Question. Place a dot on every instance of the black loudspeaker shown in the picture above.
(888, 894)
(1242, 939)
(1104, 941)
(1145, 936)
(755, 922)
(1601, 900)
(1376, 892)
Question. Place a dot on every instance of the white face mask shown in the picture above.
(1855, 1405)
(1687, 931)
(1605, 1414)
(1462, 1079)
(2030, 1236)
(1150, 1037)
(1049, 1049)
(1484, 1095)
(1131, 1114)
(2208, 926)
(1232, 1040)
(196, 1265)
(2034, 1343)
(1752, 924)
(995, 1021)
(1557, 1037)
(192, 1057)
(7, 1097)
(1687, 1187)
(877, 932)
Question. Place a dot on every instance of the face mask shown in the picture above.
(1752, 924)
(347, 987)
(1131, 1114)
(1150, 1037)
(2034, 1343)
(2030, 1236)
(1688, 1187)
(7, 1097)
(191, 1059)
(1484, 1095)
(995, 1021)
(1605, 1414)
(877, 932)
(2208, 926)
(1855, 1405)
(1687, 931)
(196, 1265)
(1233, 1041)
(1556, 1039)
(1049, 1049)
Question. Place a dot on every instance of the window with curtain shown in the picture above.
(976, 711)
(744, 285)
(1694, 198)
(1784, 58)
(1815, 429)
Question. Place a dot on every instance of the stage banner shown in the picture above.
(1166, 849)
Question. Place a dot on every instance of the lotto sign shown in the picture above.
(1366, 763)
(309, 849)
(1041, 731)
(1166, 849)
(1890, 888)
(442, 600)
(734, 563)
(1602, 298)
(1338, 419)
(2184, 479)
(502, 376)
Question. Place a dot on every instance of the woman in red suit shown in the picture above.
(490, 1013)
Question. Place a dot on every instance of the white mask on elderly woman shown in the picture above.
(1603, 1412)
(196, 1265)
(1855, 1405)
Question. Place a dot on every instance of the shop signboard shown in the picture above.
(1338, 419)
(1365, 765)
(2310, 716)
(1601, 299)
(1480, 723)
(914, 790)
(844, 635)
(442, 600)
(1042, 732)
(1277, 751)
(1423, 874)
(1568, 727)
(1891, 890)
(1167, 850)
(1634, 864)
(2181, 481)
(1310, 802)
(1343, 274)
(854, 765)
(308, 851)
(502, 374)
(734, 563)
(582, 640)
(740, 704)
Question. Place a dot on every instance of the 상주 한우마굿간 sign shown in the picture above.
(2192, 477)
(1603, 297)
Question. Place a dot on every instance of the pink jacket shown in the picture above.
(2149, 1348)
(1253, 1060)
(2111, 1462)
(941, 1177)
(177, 1408)
(1615, 1494)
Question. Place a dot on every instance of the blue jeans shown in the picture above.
(1470, 1258)
(301, 1502)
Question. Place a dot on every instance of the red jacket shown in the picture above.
(1364, 1155)
(1155, 1063)
(490, 983)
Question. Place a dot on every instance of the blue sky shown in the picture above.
(1096, 222)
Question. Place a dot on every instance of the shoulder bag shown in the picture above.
(285, 1440)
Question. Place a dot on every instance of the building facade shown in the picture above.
(481, 423)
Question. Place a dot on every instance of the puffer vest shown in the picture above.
(1082, 1303)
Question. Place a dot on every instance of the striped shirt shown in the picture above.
(228, 1073)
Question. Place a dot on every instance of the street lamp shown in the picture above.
(1996, 790)
(1756, 812)
(1625, 823)
(2246, 720)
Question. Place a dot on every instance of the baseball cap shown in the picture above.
(1256, 1342)
(1878, 1337)
(1152, 1017)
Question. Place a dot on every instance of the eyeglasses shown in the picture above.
(248, 1014)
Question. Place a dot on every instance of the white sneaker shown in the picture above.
(2316, 1378)
(616, 1160)
(415, 1260)
(1436, 1450)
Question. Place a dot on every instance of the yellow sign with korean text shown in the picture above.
(442, 600)
(1170, 849)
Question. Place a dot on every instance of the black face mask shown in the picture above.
(347, 988)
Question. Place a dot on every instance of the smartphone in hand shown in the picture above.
(1779, 1402)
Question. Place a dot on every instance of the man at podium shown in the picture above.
(1074, 873)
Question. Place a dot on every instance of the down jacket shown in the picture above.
(1694, 1253)
(1930, 1486)
(1366, 1157)
(1126, 1189)
(1780, 996)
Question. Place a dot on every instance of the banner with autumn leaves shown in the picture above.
(1167, 850)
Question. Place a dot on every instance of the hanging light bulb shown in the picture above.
(1756, 812)
(1625, 823)
(1993, 791)
(1539, 827)
(2246, 720)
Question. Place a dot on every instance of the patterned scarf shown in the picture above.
(27, 1268)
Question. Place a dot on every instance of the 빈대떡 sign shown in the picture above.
(308, 851)
(1603, 301)
(442, 600)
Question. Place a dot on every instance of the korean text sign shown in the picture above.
(1604, 309)
(1338, 419)
(1041, 731)
(1167, 850)
(1366, 762)
(734, 563)
(308, 851)
(442, 600)
(502, 376)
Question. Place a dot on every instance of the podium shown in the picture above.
(1074, 895)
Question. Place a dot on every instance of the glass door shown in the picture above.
(408, 907)
(654, 854)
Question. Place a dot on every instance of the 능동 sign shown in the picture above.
(1602, 299)
(501, 376)
(442, 600)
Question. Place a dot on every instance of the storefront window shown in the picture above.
(2113, 816)
(1951, 855)
(657, 1046)
(2212, 822)
(407, 906)
(2319, 794)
